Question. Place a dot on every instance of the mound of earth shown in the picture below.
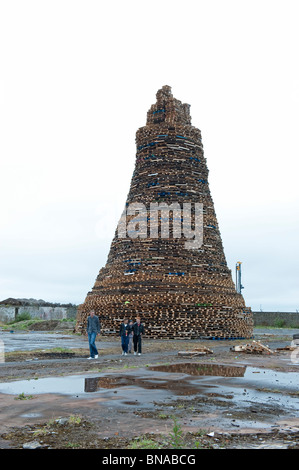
(45, 325)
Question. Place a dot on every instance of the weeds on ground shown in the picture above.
(176, 436)
(72, 445)
(74, 419)
(40, 432)
(144, 443)
(22, 396)
(19, 324)
(162, 416)
(20, 317)
(174, 440)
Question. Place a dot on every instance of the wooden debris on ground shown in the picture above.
(255, 347)
(287, 348)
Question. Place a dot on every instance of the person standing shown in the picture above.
(124, 334)
(131, 334)
(138, 330)
(93, 329)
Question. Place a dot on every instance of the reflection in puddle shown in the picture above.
(179, 384)
(203, 369)
(180, 387)
(92, 384)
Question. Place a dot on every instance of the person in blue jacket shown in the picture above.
(124, 334)
(93, 329)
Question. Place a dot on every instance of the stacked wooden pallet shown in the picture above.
(178, 292)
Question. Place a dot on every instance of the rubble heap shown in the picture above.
(178, 292)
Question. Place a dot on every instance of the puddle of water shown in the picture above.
(31, 415)
(70, 385)
(247, 384)
(267, 377)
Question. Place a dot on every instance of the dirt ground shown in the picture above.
(52, 397)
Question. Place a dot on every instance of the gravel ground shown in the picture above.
(50, 393)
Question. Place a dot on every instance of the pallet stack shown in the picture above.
(178, 292)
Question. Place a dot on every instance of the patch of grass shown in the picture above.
(51, 422)
(22, 317)
(201, 433)
(74, 420)
(144, 443)
(127, 366)
(24, 321)
(197, 445)
(40, 432)
(59, 350)
(72, 445)
(20, 324)
(274, 326)
(22, 396)
(279, 323)
(42, 353)
(162, 416)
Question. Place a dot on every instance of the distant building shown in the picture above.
(11, 308)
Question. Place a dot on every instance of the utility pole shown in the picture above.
(239, 286)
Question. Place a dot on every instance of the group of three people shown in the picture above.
(130, 333)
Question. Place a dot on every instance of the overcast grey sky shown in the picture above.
(76, 81)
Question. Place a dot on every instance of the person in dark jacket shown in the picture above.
(124, 334)
(138, 330)
(93, 329)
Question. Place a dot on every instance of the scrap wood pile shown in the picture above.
(255, 347)
(178, 292)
